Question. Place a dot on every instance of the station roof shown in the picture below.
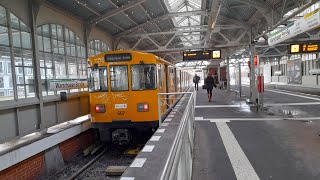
(167, 27)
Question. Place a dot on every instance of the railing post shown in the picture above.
(159, 109)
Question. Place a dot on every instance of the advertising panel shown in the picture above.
(294, 71)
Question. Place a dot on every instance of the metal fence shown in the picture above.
(179, 162)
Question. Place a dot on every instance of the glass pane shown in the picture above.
(27, 58)
(4, 38)
(40, 43)
(60, 32)
(68, 49)
(72, 67)
(60, 67)
(39, 30)
(30, 91)
(26, 40)
(119, 78)
(45, 30)
(78, 51)
(44, 90)
(54, 31)
(47, 45)
(98, 79)
(55, 46)
(20, 79)
(91, 52)
(143, 77)
(43, 73)
(16, 38)
(5, 52)
(48, 60)
(49, 73)
(61, 47)
(41, 59)
(73, 50)
(3, 16)
(9, 68)
(83, 52)
(21, 92)
(66, 34)
(28, 75)
(2, 68)
(24, 27)
(72, 40)
(14, 21)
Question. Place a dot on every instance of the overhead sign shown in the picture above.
(304, 48)
(305, 23)
(201, 55)
(66, 84)
(118, 57)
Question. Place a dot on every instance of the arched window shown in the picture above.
(97, 47)
(15, 58)
(62, 55)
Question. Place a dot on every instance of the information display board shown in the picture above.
(304, 48)
(118, 57)
(201, 55)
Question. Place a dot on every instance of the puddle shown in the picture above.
(284, 111)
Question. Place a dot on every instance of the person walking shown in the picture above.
(196, 80)
(209, 82)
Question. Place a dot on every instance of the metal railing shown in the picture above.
(179, 162)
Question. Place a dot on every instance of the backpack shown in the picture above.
(194, 79)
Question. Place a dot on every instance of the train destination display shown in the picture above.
(201, 55)
(304, 48)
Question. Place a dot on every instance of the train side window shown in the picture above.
(143, 76)
(98, 79)
(119, 78)
(160, 76)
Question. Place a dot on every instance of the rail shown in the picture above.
(179, 162)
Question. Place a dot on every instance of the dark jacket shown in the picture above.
(209, 81)
(196, 79)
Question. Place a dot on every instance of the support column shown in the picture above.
(253, 87)
(228, 74)
(240, 84)
(33, 9)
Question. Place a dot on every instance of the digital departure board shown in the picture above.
(201, 55)
(118, 57)
(304, 48)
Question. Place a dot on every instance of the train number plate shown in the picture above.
(120, 106)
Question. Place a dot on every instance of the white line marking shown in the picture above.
(138, 162)
(306, 97)
(168, 120)
(252, 105)
(160, 130)
(198, 118)
(258, 119)
(172, 112)
(219, 120)
(127, 178)
(147, 148)
(155, 138)
(164, 124)
(239, 161)
(170, 116)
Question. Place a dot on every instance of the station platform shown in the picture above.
(235, 141)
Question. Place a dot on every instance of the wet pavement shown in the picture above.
(235, 141)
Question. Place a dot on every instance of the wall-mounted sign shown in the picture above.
(304, 48)
(65, 84)
(118, 57)
(201, 55)
(305, 23)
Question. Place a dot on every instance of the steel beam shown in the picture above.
(160, 18)
(116, 11)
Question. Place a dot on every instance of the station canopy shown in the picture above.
(169, 27)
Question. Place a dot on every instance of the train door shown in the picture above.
(119, 80)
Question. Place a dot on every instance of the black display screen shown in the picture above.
(118, 57)
(304, 48)
(201, 55)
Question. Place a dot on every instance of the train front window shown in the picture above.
(119, 78)
(98, 79)
(143, 76)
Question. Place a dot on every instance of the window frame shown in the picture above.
(155, 73)
(128, 87)
(107, 76)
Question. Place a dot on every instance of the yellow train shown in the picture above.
(123, 88)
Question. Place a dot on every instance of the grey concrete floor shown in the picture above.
(264, 145)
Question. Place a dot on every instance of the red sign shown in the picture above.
(256, 60)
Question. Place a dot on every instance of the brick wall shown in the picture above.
(28, 169)
(34, 167)
(76, 145)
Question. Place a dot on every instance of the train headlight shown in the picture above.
(143, 107)
(100, 108)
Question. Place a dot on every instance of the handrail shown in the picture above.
(172, 162)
